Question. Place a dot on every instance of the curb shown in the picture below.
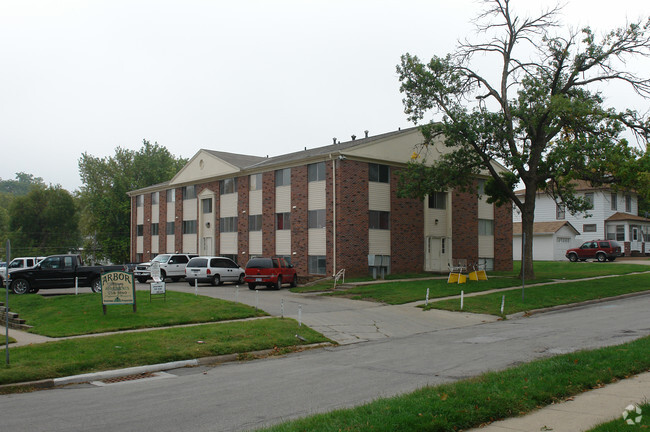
(116, 373)
(575, 305)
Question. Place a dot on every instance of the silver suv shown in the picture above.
(214, 270)
(171, 266)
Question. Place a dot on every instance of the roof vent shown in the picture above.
(334, 139)
(366, 132)
(354, 137)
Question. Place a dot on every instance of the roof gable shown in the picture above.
(210, 164)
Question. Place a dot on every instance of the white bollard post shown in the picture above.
(503, 303)
(196, 287)
(76, 286)
(462, 298)
(426, 300)
(237, 293)
(257, 299)
(299, 315)
(282, 308)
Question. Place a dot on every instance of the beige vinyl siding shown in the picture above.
(170, 243)
(155, 213)
(171, 217)
(189, 243)
(283, 242)
(255, 202)
(486, 246)
(283, 199)
(379, 196)
(155, 241)
(317, 243)
(190, 209)
(255, 243)
(139, 215)
(379, 242)
(431, 228)
(228, 243)
(139, 244)
(317, 195)
(228, 205)
(485, 210)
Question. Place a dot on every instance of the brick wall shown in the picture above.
(352, 217)
(162, 222)
(178, 224)
(133, 233)
(242, 219)
(329, 221)
(464, 217)
(146, 241)
(299, 219)
(268, 213)
(407, 230)
(503, 237)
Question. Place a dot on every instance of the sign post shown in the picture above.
(118, 288)
(158, 285)
(7, 299)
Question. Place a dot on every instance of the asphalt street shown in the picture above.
(387, 350)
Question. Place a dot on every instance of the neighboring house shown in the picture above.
(613, 217)
(551, 240)
(325, 209)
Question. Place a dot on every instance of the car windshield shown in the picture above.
(260, 263)
(161, 258)
(198, 262)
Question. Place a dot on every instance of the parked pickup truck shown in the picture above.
(19, 263)
(59, 271)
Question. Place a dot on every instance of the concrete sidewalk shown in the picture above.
(581, 412)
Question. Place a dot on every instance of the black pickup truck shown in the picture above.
(59, 271)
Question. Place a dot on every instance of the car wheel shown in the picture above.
(294, 281)
(241, 279)
(163, 275)
(33, 290)
(20, 286)
(278, 284)
(573, 257)
(216, 280)
(142, 280)
(601, 257)
(176, 279)
(251, 286)
(96, 285)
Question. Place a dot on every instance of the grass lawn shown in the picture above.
(577, 270)
(620, 425)
(492, 396)
(68, 315)
(537, 297)
(410, 291)
(92, 354)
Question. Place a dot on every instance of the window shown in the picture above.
(228, 186)
(620, 232)
(614, 201)
(282, 221)
(170, 228)
(256, 181)
(628, 203)
(559, 211)
(255, 222)
(316, 218)
(139, 230)
(189, 227)
(283, 177)
(228, 224)
(563, 240)
(139, 201)
(317, 264)
(379, 173)
(481, 187)
(154, 229)
(438, 200)
(189, 192)
(316, 172)
(379, 220)
(589, 228)
(589, 197)
(206, 205)
(171, 195)
(154, 197)
(485, 227)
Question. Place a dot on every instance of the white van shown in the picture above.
(19, 263)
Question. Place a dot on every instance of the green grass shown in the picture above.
(411, 291)
(578, 270)
(91, 354)
(619, 425)
(489, 397)
(537, 297)
(69, 315)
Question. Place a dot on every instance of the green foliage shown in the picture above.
(44, 222)
(22, 185)
(106, 205)
(543, 118)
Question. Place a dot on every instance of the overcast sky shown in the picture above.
(254, 77)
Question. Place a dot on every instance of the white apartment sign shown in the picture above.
(118, 288)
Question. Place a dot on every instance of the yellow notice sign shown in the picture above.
(118, 288)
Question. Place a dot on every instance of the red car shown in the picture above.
(272, 272)
(601, 250)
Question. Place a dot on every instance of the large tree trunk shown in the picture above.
(527, 224)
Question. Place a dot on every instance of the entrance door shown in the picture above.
(206, 246)
(437, 254)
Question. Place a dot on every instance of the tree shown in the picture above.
(542, 117)
(106, 206)
(22, 185)
(43, 222)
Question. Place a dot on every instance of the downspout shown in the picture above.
(333, 215)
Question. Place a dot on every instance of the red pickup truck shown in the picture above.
(272, 272)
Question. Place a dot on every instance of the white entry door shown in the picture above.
(437, 254)
(206, 246)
